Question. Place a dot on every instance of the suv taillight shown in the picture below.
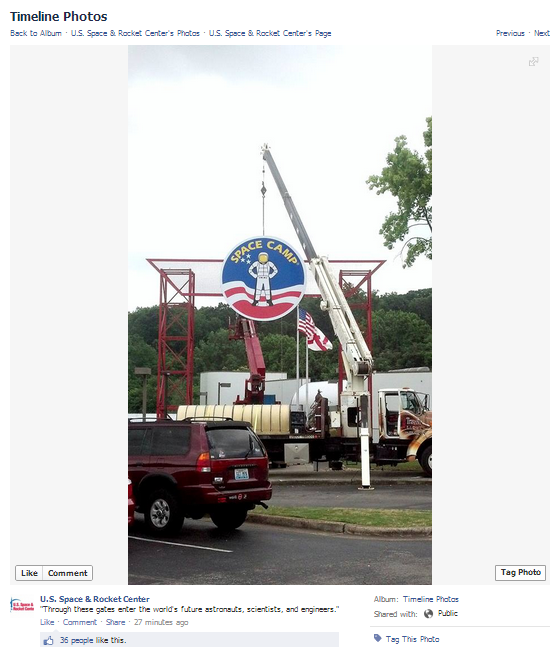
(204, 462)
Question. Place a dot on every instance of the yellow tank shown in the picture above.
(266, 419)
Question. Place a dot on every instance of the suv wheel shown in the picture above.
(163, 514)
(229, 517)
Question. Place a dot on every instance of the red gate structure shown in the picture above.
(351, 286)
(177, 292)
(176, 335)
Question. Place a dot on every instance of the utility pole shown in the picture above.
(145, 372)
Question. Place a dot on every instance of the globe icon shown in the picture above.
(428, 613)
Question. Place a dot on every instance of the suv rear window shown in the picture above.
(233, 443)
(171, 441)
(136, 445)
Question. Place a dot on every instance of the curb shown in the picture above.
(350, 481)
(341, 528)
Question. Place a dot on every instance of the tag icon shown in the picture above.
(377, 637)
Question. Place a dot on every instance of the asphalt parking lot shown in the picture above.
(254, 554)
(202, 554)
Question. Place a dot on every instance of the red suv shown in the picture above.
(193, 467)
(131, 503)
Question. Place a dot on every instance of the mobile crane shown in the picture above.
(405, 428)
(356, 356)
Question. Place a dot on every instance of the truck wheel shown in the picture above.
(425, 461)
(163, 514)
(229, 518)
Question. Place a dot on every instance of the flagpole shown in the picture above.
(307, 376)
(297, 358)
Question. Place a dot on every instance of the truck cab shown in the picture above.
(405, 428)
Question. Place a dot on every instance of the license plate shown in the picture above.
(241, 475)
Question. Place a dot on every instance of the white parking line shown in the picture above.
(171, 543)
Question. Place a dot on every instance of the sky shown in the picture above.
(198, 117)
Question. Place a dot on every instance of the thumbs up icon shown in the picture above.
(48, 641)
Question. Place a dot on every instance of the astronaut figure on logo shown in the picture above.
(263, 271)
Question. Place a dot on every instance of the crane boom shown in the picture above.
(303, 237)
(255, 384)
(356, 356)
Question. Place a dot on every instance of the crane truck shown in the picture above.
(405, 428)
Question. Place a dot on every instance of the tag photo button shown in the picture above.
(520, 573)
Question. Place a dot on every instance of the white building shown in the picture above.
(222, 387)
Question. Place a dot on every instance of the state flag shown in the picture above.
(317, 340)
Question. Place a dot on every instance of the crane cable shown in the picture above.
(263, 192)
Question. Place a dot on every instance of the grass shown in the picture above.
(361, 517)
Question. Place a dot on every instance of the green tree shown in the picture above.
(144, 322)
(209, 319)
(323, 365)
(407, 177)
(400, 340)
(218, 353)
(279, 353)
(417, 301)
(141, 354)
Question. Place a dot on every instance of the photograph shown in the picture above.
(279, 315)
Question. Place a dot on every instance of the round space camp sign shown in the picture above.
(263, 278)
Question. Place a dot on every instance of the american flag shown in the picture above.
(317, 340)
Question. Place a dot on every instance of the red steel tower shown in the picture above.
(176, 335)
